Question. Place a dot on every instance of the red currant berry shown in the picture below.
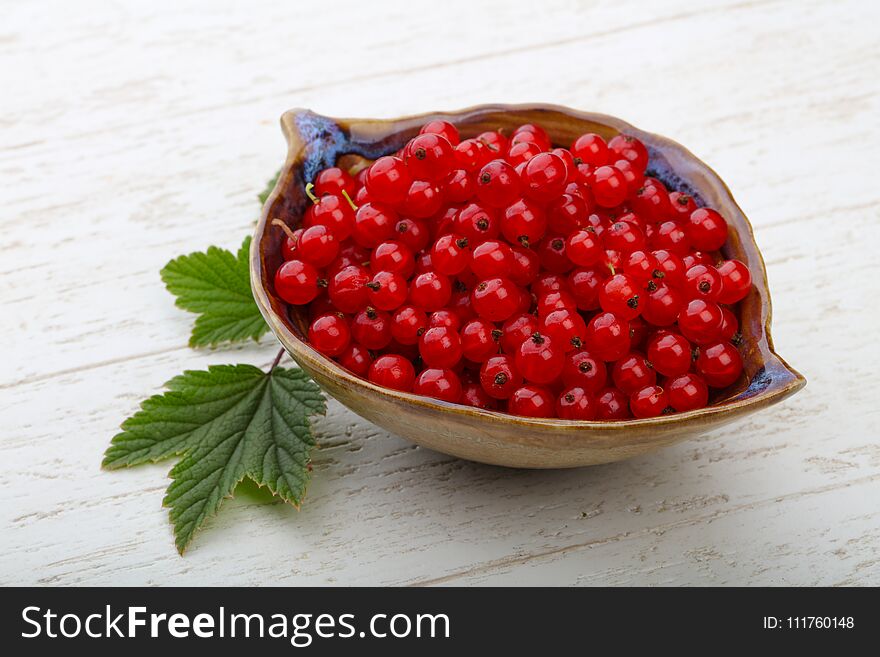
(348, 289)
(632, 373)
(450, 254)
(696, 258)
(460, 186)
(350, 253)
(638, 331)
(480, 340)
(472, 394)
(736, 281)
(545, 177)
(393, 257)
(650, 401)
(631, 149)
(495, 299)
(498, 184)
(540, 359)
(373, 224)
(609, 186)
(584, 248)
(669, 353)
(531, 401)
(297, 282)
(585, 283)
(438, 383)
(707, 229)
(611, 404)
(524, 266)
(607, 336)
(662, 304)
(290, 245)
(333, 181)
(387, 290)
(318, 246)
(670, 269)
(520, 153)
(700, 321)
(625, 237)
(575, 404)
(590, 149)
(720, 364)
(440, 346)
(471, 155)
(393, 371)
(494, 141)
(729, 325)
(333, 212)
(443, 128)
(371, 328)
(330, 334)
(553, 256)
(407, 324)
(566, 328)
(499, 377)
(445, 317)
(652, 203)
(640, 266)
(567, 213)
(533, 133)
(430, 291)
(424, 199)
(524, 223)
(429, 157)
(477, 223)
(492, 259)
(620, 295)
(412, 233)
(583, 370)
(683, 204)
(670, 236)
(555, 301)
(516, 330)
(356, 359)
(703, 282)
(687, 392)
(387, 180)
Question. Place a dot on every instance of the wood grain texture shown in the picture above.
(130, 135)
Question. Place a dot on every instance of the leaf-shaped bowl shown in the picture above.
(316, 142)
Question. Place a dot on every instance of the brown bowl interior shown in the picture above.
(316, 142)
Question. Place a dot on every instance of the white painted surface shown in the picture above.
(129, 135)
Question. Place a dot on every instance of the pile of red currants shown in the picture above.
(502, 273)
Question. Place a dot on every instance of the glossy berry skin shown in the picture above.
(632, 373)
(387, 290)
(392, 371)
(700, 321)
(444, 129)
(393, 257)
(652, 203)
(348, 289)
(684, 205)
(356, 359)
(532, 401)
(472, 394)
(371, 328)
(480, 340)
(533, 133)
(387, 180)
(640, 266)
(544, 177)
(297, 282)
(350, 253)
(495, 299)
(540, 359)
(524, 223)
(662, 304)
(584, 248)
(575, 404)
(620, 295)
(631, 175)
(591, 149)
(330, 334)
(612, 404)
(729, 324)
(736, 281)
(424, 199)
(412, 233)
(494, 141)
(499, 377)
(650, 401)
(625, 237)
(498, 184)
(567, 213)
(720, 364)
(607, 336)
(609, 186)
(429, 157)
(566, 328)
(490, 259)
(516, 330)
(702, 282)
(687, 392)
(373, 224)
(669, 353)
(706, 229)
(333, 181)
(460, 186)
(552, 254)
(333, 212)
(639, 330)
(584, 371)
(450, 254)
(671, 237)
(471, 155)
(290, 244)
(585, 283)
(555, 301)
(438, 383)
(519, 154)
(631, 149)
(440, 346)
(445, 317)
(407, 324)
(477, 223)
(670, 269)
(430, 291)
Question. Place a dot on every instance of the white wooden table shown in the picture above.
(131, 134)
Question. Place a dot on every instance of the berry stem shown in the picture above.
(310, 194)
(350, 202)
(283, 226)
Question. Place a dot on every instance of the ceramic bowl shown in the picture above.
(315, 142)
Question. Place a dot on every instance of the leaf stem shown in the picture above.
(277, 360)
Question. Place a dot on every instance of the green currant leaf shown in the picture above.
(216, 285)
(226, 423)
